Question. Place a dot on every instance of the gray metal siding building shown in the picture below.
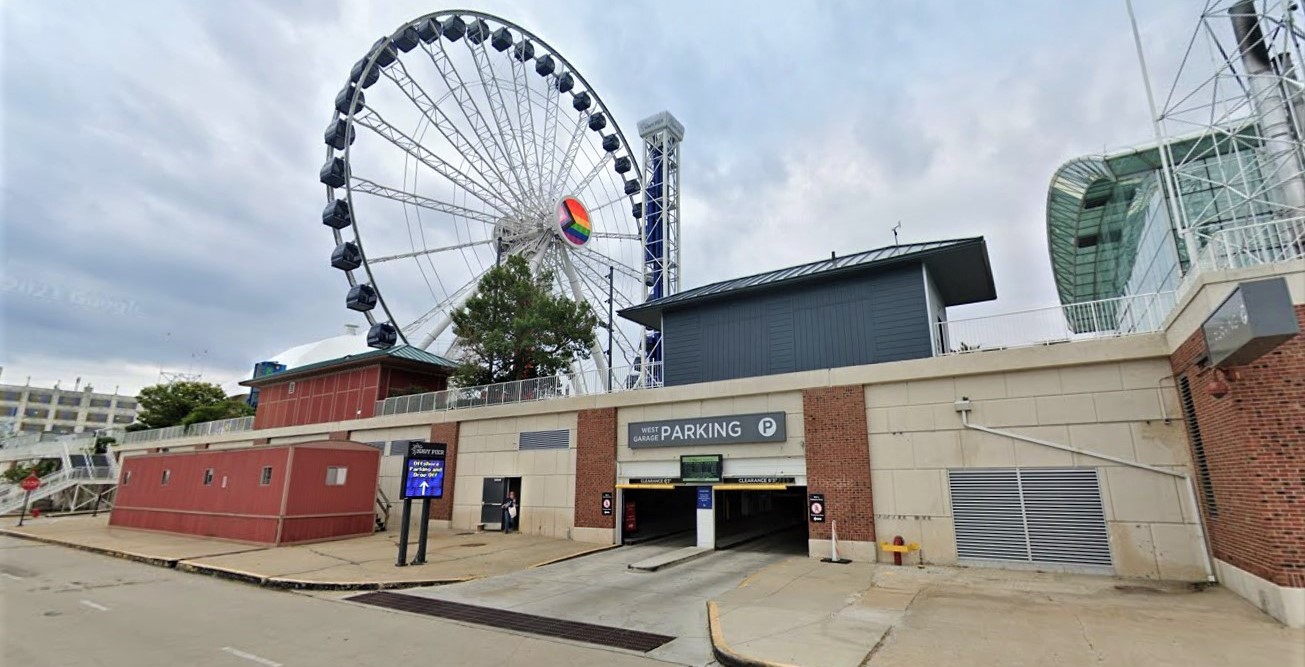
(867, 308)
(849, 322)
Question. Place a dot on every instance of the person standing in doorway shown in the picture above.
(509, 511)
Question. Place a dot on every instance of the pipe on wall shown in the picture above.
(963, 407)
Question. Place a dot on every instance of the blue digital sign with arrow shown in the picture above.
(423, 471)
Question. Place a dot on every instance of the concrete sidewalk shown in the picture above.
(804, 612)
(351, 564)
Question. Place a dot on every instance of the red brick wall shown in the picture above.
(595, 467)
(447, 433)
(838, 460)
(1254, 439)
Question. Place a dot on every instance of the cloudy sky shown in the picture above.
(160, 196)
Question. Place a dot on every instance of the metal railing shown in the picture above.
(233, 425)
(1107, 318)
(1248, 245)
(524, 391)
(11, 495)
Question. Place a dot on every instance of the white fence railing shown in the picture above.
(1249, 245)
(523, 391)
(1107, 318)
(233, 425)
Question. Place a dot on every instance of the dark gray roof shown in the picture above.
(959, 268)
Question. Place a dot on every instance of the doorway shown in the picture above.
(494, 491)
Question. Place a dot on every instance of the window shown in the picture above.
(126, 478)
(36, 413)
(70, 400)
(266, 477)
(126, 405)
(167, 475)
(39, 398)
(208, 477)
(100, 402)
(9, 412)
(97, 417)
(12, 396)
(335, 476)
(66, 415)
(123, 419)
(291, 388)
(32, 428)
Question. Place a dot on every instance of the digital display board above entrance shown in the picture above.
(723, 430)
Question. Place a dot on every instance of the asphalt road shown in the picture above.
(66, 608)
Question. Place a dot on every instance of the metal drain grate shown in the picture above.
(589, 633)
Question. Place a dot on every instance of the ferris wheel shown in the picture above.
(463, 139)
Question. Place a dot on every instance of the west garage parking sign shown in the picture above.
(723, 430)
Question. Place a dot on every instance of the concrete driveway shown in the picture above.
(601, 589)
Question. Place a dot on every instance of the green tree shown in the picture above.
(227, 409)
(164, 405)
(20, 471)
(516, 327)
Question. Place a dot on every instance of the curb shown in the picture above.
(288, 584)
(274, 583)
(170, 563)
(605, 547)
(726, 655)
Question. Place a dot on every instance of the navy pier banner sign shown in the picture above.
(423, 470)
(723, 430)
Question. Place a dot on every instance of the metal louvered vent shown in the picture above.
(559, 439)
(1037, 515)
(398, 448)
(1198, 446)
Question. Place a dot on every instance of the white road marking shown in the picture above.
(251, 657)
(92, 605)
(11, 576)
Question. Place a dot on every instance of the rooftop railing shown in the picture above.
(233, 425)
(523, 391)
(1248, 245)
(1107, 318)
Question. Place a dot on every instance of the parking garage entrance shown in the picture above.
(767, 513)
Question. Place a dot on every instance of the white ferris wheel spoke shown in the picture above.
(365, 186)
(471, 111)
(593, 173)
(370, 119)
(614, 235)
(526, 118)
(429, 251)
(484, 167)
(498, 109)
(600, 361)
(563, 173)
(439, 307)
(548, 159)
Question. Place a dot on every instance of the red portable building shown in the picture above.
(273, 494)
(347, 387)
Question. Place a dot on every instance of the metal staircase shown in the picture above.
(84, 484)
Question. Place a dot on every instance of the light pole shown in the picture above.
(611, 315)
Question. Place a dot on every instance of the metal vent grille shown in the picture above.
(398, 448)
(1198, 446)
(559, 439)
(1042, 515)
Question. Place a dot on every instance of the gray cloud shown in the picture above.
(165, 153)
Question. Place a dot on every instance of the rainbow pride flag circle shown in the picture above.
(573, 221)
